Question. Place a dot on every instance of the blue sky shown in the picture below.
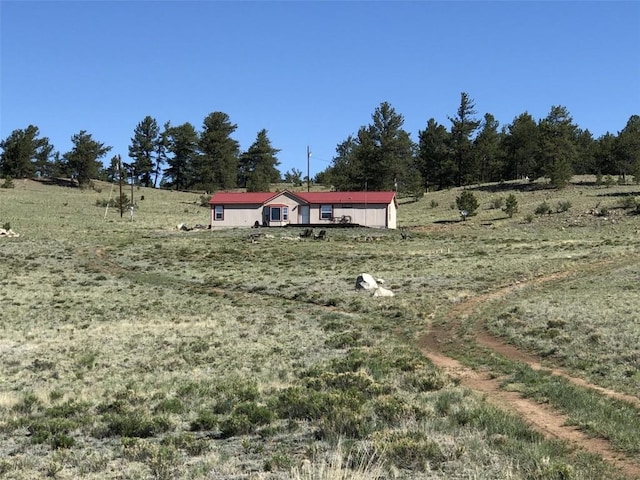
(311, 73)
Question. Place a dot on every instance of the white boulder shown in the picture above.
(366, 282)
(383, 292)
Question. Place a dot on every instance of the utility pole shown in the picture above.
(120, 184)
(308, 178)
(132, 182)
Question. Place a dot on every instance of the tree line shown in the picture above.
(179, 157)
(380, 156)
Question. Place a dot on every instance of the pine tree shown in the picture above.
(217, 167)
(380, 157)
(258, 165)
(511, 205)
(392, 158)
(182, 142)
(435, 160)
(83, 160)
(627, 148)
(463, 126)
(520, 145)
(143, 149)
(556, 146)
(486, 147)
(24, 154)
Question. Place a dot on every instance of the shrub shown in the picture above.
(205, 420)
(164, 463)
(543, 209)
(468, 203)
(351, 338)
(6, 225)
(629, 202)
(511, 205)
(301, 403)
(188, 442)
(51, 430)
(496, 203)
(278, 461)
(563, 206)
(598, 179)
(103, 202)
(391, 409)
(609, 181)
(236, 424)
(257, 414)
(8, 183)
(411, 450)
(345, 423)
(135, 424)
(27, 404)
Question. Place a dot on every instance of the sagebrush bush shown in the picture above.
(205, 420)
(496, 203)
(8, 183)
(135, 424)
(345, 423)
(543, 209)
(412, 450)
(563, 206)
(628, 202)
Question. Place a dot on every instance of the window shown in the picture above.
(285, 214)
(275, 214)
(218, 212)
(326, 212)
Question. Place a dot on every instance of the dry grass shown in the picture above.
(133, 350)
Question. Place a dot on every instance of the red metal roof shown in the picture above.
(252, 198)
(346, 197)
(241, 198)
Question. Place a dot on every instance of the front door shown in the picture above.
(304, 215)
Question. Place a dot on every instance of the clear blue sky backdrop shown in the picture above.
(311, 73)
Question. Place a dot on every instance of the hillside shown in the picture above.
(132, 349)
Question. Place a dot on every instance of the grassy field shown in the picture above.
(131, 349)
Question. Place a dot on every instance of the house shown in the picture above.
(278, 209)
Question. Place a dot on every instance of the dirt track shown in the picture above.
(542, 418)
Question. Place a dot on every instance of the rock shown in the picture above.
(366, 282)
(8, 233)
(383, 292)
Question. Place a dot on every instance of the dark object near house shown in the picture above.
(256, 225)
(321, 236)
(308, 232)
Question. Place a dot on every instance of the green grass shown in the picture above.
(131, 349)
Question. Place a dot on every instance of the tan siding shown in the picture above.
(238, 216)
(370, 215)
